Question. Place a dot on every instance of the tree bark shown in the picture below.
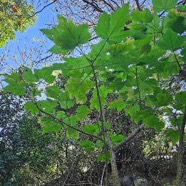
(115, 174)
(180, 163)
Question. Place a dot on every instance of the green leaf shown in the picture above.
(78, 88)
(94, 102)
(173, 134)
(151, 121)
(99, 144)
(65, 101)
(72, 133)
(12, 78)
(102, 157)
(53, 92)
(133, 112)
(110, 26)
(91, 129)
(178, 24)
(16, 89)
(48, 105)
(171, 68)
(181, 97)
(118, 104)
(31, 107)
(45, 73)
(166, 5)
(117, 139)
(137, 30)
(83, 111)
(170, 41)
(61, 115)
(163, 97)
(160, 98)
(70, 64)
(103, 92)
(28, 75)
(48, 125)
(103, 26)
(87, 145)
(16, 84)
(49, 33)
(144, 16)
(56, 49)
(66, 35)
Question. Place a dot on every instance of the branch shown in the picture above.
(182, 2)
(110, 5)
(95, 6)
(36, 62)
(43, 8)
(142, 3)
(62, 122)
(115, 3)
(177, 61)
(138, 5)
(95, 37)
(138, 87)
(130, 137)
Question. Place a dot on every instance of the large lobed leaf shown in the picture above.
(66, 35)
(110, 27)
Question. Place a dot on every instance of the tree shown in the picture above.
(138, 66)
(26, 155)
(14, 16)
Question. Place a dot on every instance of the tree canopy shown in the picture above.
(14, 16)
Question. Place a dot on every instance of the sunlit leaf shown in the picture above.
(170, 41)
(66, 35)
(72, 133)
(91, 129)
(31, 107)
(49, 125)
(111, 26)
(160, 5)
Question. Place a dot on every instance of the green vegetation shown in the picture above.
(14, 16)
(139, 71)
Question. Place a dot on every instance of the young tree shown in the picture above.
(138, 66)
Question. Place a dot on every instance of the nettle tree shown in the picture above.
(137, 66)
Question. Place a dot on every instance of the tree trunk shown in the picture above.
(115, 174)
(180, 163)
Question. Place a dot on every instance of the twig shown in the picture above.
(62, 122)
(142, 3)
(95, 6)
(115, 3)
(138, 88)
(110, 5)
(138, 5)
(102, 176)
(43, 8)
(177, 61)
(36, 62)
